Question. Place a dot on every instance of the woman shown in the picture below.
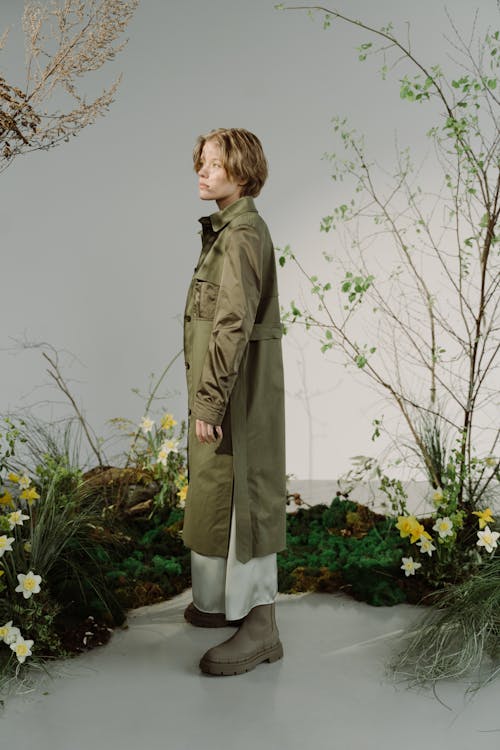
(235, 507)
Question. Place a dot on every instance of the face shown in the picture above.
(213, 181)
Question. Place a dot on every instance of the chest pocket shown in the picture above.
(205, 299)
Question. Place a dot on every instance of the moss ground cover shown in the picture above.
(345, 547)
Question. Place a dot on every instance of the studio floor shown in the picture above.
(331, 690)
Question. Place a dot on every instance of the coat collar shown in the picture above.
(221, 218)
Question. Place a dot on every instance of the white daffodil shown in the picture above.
(8, 633)
(171, 446)
(437, 496)
(487, 539)
(444, 527)
(426, 545)
(22, 648)
(24, 481)
(6, 543)
(16, 518)
(147, 424)
(162, 456)
(168, 446)
(410, 566)
(28, 584)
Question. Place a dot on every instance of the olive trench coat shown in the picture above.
(234, 371)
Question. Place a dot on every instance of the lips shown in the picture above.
(203, 186)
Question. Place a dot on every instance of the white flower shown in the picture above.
(8, 633)
(169, 446)
(444, 527)
(22, 648)
(410, 566)
(437, 496)
(24, 481)
(146, 424)
(6, 543)
(487, 539)
(162, 456)
(28, 584)
(16, 518)
(426, 545)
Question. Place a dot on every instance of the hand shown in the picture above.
(205, 432)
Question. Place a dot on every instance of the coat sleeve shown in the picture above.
(237, 303)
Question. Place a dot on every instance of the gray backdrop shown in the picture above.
(99, 236)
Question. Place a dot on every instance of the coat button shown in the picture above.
(189, 412)
(188, 318)
(187, 365)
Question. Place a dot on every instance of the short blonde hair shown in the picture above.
(242, 157)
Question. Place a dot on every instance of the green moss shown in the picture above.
(343, 546)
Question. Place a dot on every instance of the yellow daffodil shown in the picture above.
(491, 461)
(488, 539)
(409, 526)
(180, 481)
(484, 517)
(7, 499)
(30, 495)
(13, 477)
(167, 422)
(182, 495)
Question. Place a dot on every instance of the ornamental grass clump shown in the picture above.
(459, 638)
(49, 566)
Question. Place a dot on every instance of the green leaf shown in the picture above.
(282, 261)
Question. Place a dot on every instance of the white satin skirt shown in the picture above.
(230, 586)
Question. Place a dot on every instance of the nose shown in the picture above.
(202, 172)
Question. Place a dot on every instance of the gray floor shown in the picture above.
(144, 690)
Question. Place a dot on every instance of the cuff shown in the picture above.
(208, 412)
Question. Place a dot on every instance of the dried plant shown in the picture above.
(64, 41)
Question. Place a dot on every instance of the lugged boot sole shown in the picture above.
(227, 669)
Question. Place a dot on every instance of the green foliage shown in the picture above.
(345, 547)
(355, 287)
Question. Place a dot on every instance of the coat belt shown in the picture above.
(262, 331)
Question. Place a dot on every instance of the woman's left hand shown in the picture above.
(207, 433)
